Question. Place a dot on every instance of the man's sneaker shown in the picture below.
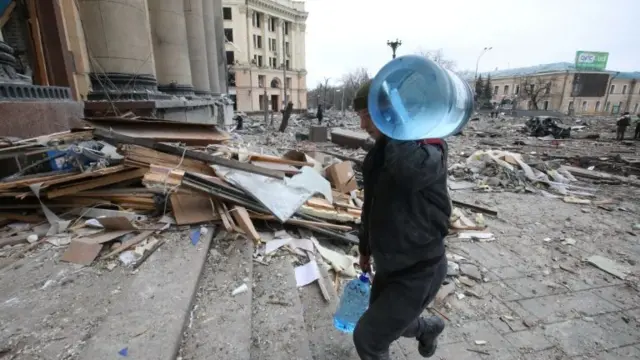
(428, 341)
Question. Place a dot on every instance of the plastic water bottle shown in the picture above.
(353, 303)
(414, 98)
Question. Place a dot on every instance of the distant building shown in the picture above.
(266, 51)
(560, 87)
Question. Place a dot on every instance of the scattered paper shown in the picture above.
(273, 245)
(340, 263)
(59, 240)
(303, 244)
(307, 273)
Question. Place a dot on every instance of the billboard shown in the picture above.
(591, 60)
(590, 85)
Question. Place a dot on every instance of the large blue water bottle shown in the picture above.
(413, 98)
(353, 303)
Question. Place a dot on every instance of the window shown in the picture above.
(288, 82)
(275, 83)
(547, 88)
(584, 106)
(624, 89)
(231, 78)
(273, 62)
(228, 34)
(257, 41)
(286, 27)
(286, 49)
(261, 80)
(261, 100)
(597, 106)
(256, 20)
(620, 106)
(607, 106)
(546, 105)
(257, 60)
(506, 90)
(272, 24)
(517, 90)
(272, 45)
(495, 90)
(635, 108)
(231, 58)
(570, 105)
(226, 13)
(287, 65)
(612, 89)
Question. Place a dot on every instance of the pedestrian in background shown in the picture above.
(623, 122)
(319, 114)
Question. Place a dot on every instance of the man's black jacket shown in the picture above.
(406, 208)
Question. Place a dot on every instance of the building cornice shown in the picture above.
(297, 15)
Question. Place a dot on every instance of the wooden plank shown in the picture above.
(475, 208)
(129, 243)
(147, 156)
(85, 175)
(303, 222)
(38, 47)
(598, 175)
(243, 219)
(96, 183)
(277, 160)
(191, 154)
(223, 216)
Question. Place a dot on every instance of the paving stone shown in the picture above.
(529, 341)
(596, 277)
(624, 353)
(500, 290)
(451, 334)
(622, 296)
(483, 331)
(549, 354)
(579, 337)
(535, 286)
(491, 255)
(471, 308)
(508, 326)
(456, 351)
(559, 307)
(508, 272)
(621, 330)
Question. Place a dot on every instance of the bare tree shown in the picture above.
(438, 57)
(536, 89)
(351, 82)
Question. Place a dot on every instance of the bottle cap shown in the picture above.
(364, 277)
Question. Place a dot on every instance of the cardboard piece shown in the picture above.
(116, 223)
(193, 208)
(81, 252)
(342, 177)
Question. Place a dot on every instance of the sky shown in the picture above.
(343, 35)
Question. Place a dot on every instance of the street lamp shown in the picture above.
(394, 45)
(475, 77)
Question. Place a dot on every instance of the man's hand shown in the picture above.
(365, 263)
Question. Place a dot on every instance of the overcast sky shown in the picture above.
(346, 34)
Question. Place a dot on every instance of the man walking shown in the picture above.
(319, 114)
(636, 134)
(405, 218)
(623, 122)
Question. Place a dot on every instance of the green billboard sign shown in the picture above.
(591, 60)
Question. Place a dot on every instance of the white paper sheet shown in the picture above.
(307, 273)
(273, 245)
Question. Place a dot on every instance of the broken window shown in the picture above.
(260, 63)
(228, 35)
(546, 105)
(624, 89)
(547, 89)
(231, 58)
(607, 106)
(597, 106)
(286, 49)
(570, 105)
(273, 62)
(272, 24)
(257, 19)
(261, 80)
(275, 83)
(635, 108)
(612, 89)
(231, 78)
(288, 65)
(226, 13)
(495, 90)
(585, 105)
(517, 90)
(506, 90)
(261, 100)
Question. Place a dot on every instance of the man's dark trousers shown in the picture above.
(397, 301)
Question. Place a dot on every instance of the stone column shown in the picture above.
(169, 35)
(119, 42)
(210, 38)
(220, 42)
(197, 46)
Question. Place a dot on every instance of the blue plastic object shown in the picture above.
(353, 303)
(413, 98)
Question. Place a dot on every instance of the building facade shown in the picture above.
(265, 52)
(560, 87)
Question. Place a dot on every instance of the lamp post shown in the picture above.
(394, 45)
(475, 77)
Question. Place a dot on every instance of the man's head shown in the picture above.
(360, 105)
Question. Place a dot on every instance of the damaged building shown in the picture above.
(68, 59)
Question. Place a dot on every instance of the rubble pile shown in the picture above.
(540, 126)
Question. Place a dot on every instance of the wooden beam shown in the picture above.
(42, 77)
